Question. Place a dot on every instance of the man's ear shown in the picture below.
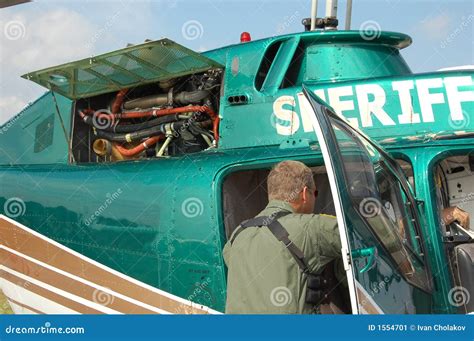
(305, 194)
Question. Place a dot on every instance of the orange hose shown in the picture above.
(85, 112)
(164, 112)
(140, 148)
(118, 101)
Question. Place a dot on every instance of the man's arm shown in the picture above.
(323, 242)
(328, 236)
(451, 214)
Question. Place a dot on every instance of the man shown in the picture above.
(268, 265)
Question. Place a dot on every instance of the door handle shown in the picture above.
(369, 252)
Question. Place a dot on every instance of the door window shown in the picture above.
(378, 196)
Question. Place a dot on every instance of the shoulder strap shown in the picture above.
(279, 232)
(282, 235)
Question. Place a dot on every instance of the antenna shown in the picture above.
(314, 11)
(331, 8)
(329, 22)
(331, 13)
(348, 15)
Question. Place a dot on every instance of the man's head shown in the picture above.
(293, 182)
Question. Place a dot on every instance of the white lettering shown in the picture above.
(339, 105)
(455, 97)
(320, 94)
(375, 107)
(286, 115)
(427, 99)
(407, 116)
(305, 110)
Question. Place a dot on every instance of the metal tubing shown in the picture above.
(348, 15)
(314, 13)
(331, 8)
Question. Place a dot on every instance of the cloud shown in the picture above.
(435, 27)
(50, 38)
(35, 40)
(8, 105)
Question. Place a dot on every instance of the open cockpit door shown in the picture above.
(377, 216)
(135, 65)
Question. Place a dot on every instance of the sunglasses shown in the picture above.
(315, 192)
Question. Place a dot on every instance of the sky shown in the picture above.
(46, 33)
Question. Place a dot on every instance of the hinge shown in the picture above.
(346, 259)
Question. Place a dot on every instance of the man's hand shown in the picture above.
(451, 214)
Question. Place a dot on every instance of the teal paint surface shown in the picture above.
(142, 230)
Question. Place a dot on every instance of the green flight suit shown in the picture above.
(263, 277)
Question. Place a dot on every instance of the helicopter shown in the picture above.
(121, 184)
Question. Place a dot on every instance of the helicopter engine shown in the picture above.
(167, 118)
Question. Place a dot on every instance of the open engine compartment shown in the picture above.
(166, 118)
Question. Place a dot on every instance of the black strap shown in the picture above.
(278, 231)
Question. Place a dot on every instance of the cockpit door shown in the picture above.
(377, 216)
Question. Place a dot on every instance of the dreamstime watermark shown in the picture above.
(102, 297)
(187, 124)
(45, 329)
(370, 207)
(291, 197)
(276, 121)
(14, 30)
(106, 27)
(103, 119)
(199, 289)
(377, 287)
(14, 207)
(287, 21)
(458, 296)
(370, 30)
(192, 207)
(107, 202)
(281, 296)
(465, 22)
(11, 122)
(192, 30)
(460, 124)
(282, 27)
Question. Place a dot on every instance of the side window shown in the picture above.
(377, 194)
(454, 184)
(265, 65)
(294, 74)
(44, 134)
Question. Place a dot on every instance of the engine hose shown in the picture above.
(182, 98)
(128, 128)
(163, 112)
(138, 135)
(140, 148)
(160, 112)
(118, 101)
(185, 97)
